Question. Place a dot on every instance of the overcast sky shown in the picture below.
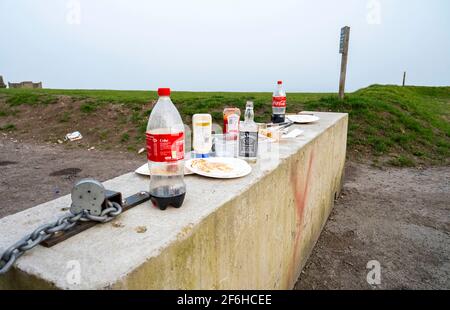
(240, 45)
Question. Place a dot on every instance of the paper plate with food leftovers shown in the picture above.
(219, 167)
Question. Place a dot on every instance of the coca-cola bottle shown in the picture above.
(165, 153)
(279, 104)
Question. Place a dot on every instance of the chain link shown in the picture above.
(42, 233)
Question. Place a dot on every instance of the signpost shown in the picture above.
(343, 49)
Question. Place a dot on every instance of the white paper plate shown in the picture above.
(302, 118)
(238, 167)
(143, 170)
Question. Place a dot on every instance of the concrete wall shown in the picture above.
(252, 233)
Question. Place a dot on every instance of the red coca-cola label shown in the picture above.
(279, 102)
(165, 147)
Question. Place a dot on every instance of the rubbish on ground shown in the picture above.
(91, 148)
(73, 136)
(141, 150)
(60, 141)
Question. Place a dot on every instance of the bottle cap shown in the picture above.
(199, 155)
(280, 82)
(163, 92)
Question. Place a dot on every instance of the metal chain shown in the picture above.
(42, 233)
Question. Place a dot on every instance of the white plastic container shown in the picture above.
(202, 131)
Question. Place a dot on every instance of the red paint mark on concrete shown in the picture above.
(300, 186)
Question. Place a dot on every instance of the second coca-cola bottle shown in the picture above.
(279, 104)
(165, 153)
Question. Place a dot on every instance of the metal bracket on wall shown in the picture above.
(111, 196)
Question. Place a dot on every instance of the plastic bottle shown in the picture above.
(248, 135)
(279, 104)
(231, 118)
(202, 130)
(165, 153)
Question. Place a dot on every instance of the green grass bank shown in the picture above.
(389, 125)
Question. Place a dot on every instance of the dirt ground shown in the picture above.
(31, 174)
(399, 217)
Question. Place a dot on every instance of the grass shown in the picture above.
(65, 118)
(88, 108)
(188, 103)
(400, 126)
(8, 127)
(125, 137)
(408, 124)
(402, 161)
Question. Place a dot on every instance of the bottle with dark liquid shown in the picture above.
(279, 104)
(165, 153)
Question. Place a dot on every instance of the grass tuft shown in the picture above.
(88, 108)
(8, 127)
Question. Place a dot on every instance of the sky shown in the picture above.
(223, 45)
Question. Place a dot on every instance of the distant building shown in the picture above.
(2, 84)
(26, 84)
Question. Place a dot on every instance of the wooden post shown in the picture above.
(343, 49)
(404, 78)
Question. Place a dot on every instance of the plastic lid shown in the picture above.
(198, 155)
(280, 82)
(163, 92)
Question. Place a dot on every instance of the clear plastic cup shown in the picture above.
(225, 145)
